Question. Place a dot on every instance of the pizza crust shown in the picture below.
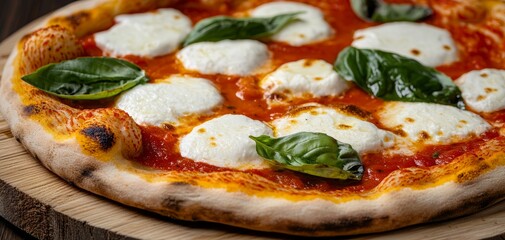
(406, 197)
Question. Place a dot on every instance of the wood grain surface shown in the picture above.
(40, 203)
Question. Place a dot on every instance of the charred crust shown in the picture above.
(87, 172)
(469, 205)
(223, 216)
(77, 19)
(31, 110)
(180, 184)
(470, 175)
(345, 224)
(100, 134)
(173, 203)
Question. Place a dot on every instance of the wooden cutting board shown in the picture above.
(40, 203)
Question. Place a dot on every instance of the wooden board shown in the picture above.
(47, 207)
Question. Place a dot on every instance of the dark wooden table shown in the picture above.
(14, 14)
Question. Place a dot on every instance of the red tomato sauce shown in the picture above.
(243, 96)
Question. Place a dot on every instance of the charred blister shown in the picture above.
(101, 135)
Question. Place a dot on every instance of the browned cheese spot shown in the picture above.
(276, 97)
(480, 98)
(416, 52)
(484, 75)
(308, 62)
(490, 90)
(423, 135)
(169, 127)
(201, 130)
(447, 47)
(343, 126)
(399, 131)
(356, 111)
(318, 78)
(410, 120)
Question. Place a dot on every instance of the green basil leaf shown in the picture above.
(312, 153)
(393, 77)
(87, 78)
(379, 11)
(219, 28)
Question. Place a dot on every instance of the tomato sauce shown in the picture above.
(243, 96)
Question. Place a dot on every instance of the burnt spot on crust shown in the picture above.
(87, 172)
(224, 216)
(180, 184)
(355, 111)
(470, 175)
(345, 224)
(469, 205)
(77, 19)
(31, 110)
(173, 203)
(100, 134)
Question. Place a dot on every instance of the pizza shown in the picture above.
(305, 117)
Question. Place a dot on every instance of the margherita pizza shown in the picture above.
(306, 117)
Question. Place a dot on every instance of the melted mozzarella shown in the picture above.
(304, 77)
(311, 28)
(146, 34)
(225, 142)
(230, 57)
(431, 123)
(427, 44)
(363, 136)
(483, 90)
(168, 100)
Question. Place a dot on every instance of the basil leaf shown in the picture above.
(393, 77)
(87, 78)
(312, 153)
(379, 11)
(219, 28)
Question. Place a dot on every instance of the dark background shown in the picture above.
(14, 14)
